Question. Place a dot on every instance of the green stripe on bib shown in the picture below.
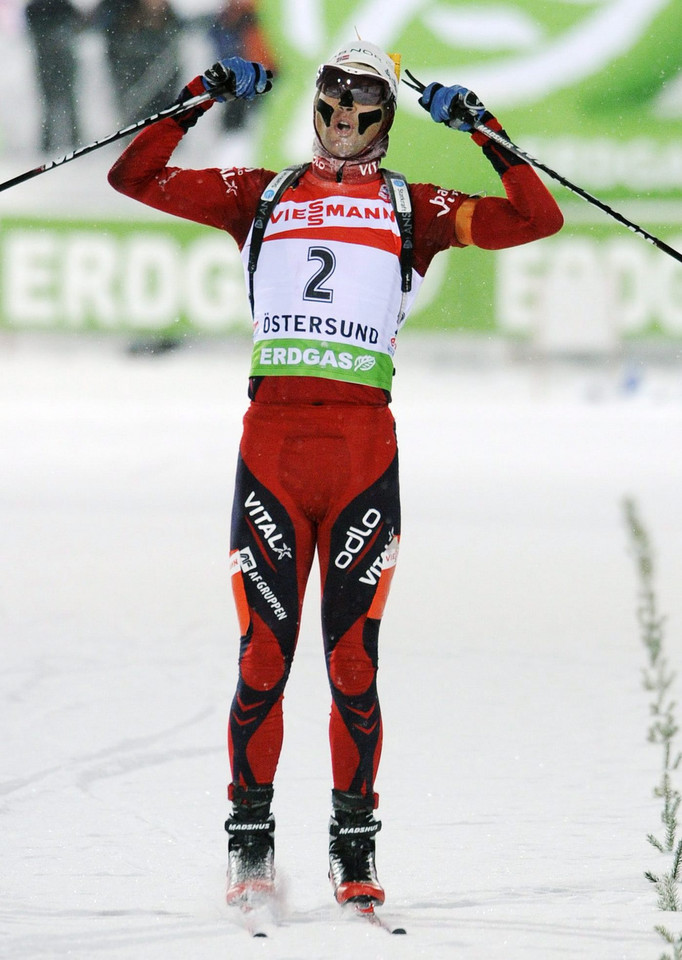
(312, 358)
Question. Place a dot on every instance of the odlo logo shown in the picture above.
(356, 538)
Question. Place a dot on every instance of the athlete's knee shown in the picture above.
(352, 668)
(262, 665)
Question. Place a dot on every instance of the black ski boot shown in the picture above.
(352, 829)
(251, 846)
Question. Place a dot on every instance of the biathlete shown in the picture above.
(334, 253)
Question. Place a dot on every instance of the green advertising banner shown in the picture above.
(120, 276)
(593, 88)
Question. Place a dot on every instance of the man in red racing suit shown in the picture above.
(318, 467)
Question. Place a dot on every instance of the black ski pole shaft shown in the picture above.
(634, 227)
(173, 111)
(417, 85)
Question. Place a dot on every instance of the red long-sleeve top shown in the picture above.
(227, 200)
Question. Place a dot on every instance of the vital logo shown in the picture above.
(266, 526)
(387, 559)
(228, 180)
(356, 538)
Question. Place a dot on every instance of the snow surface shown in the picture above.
(516, 782)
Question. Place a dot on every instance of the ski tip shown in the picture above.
(364, 908)
(260, 933)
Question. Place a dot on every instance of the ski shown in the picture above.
(253, 910)
(251, 919)
(365, 910)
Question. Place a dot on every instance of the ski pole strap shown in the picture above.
(268, 201)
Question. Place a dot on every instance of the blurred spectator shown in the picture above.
(142, 39)
(236, 31)
(53, 27)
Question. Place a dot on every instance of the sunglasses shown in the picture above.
(365, 91)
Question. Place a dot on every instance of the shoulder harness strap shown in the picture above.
(402, 205)
(268, 201)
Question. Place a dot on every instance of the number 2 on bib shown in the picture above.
(314, 289)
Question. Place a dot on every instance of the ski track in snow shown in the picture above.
(516, 782)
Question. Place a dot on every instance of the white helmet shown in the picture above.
(366, 58)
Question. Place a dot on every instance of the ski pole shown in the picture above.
(634, 227)
(173, 111)
(517, 151)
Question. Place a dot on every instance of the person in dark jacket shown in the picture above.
(236, 31)
(142, 40)
(53, 27)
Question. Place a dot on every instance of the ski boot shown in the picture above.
(352, 869)
(251, 845)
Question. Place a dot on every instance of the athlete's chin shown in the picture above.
(344, 149)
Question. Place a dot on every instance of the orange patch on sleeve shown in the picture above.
(463, 219)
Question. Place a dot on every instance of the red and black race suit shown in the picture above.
(325, 478)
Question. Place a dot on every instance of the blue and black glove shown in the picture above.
(244, 79)
(460, 109)
(234, 77)
(456, 106)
